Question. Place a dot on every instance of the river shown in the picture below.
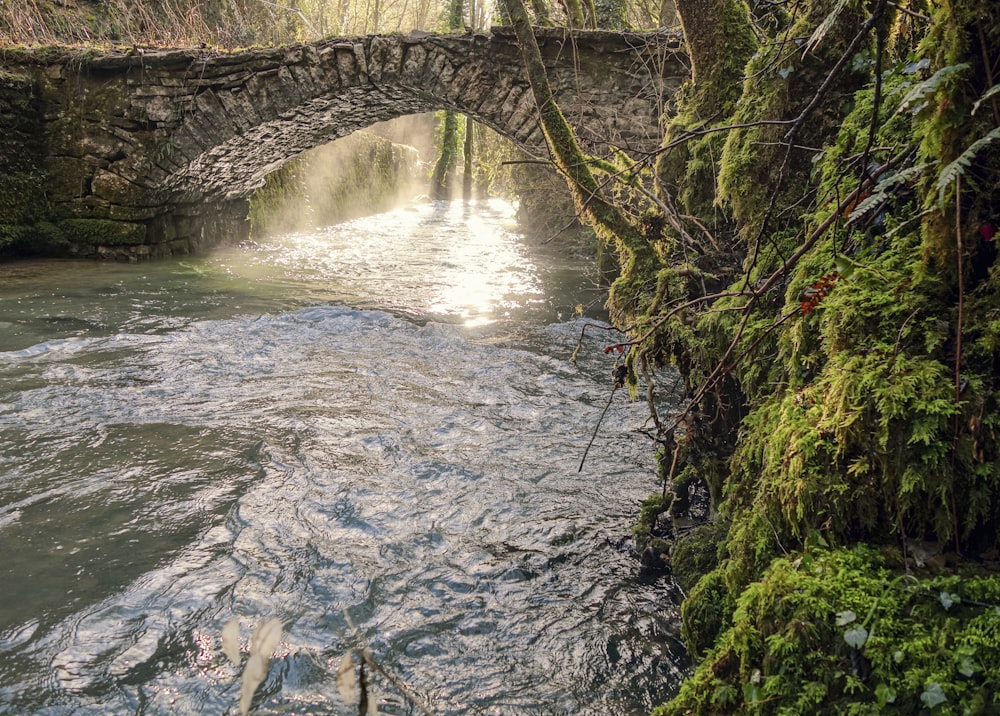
(377, 421)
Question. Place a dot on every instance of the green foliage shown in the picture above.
(22, 196)
(838, 631)
(865, 421)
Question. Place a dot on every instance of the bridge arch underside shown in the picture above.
(239, 166)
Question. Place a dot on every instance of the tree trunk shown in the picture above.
(668, 13)
(574, 13)
(470, 146)
(541, 10)
(441, 177)
(719, 40)
(443, 170)
(607, 219)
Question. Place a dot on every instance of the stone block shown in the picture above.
(116, 189)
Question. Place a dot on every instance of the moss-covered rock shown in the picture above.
(103, 232)
(696, 553)
(42, 238)
(839, 631)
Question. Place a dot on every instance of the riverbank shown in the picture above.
(832, 307)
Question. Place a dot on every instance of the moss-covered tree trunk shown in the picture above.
(444, 168)
(609, 220)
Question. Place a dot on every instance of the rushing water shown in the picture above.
(379, 420)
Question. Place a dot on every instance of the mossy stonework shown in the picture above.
(174, 140)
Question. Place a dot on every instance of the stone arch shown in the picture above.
(174, 142)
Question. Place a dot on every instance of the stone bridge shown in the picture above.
(156, 152)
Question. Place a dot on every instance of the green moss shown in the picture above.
(838, 631)
(705, 612)
(696, 553)
(103, 232)
(39, 239)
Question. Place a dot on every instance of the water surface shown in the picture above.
(378, 419)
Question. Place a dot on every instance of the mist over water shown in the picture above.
(376, 418)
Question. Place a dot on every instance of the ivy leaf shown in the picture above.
(933, 695)
(856, 636)
(949, 600)
(967, 667)
(845, 267)
(751, 693)
(845, 618)
(885, 694)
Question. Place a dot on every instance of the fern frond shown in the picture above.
(995, 89)
(961, 163)
(915, 97)
(824, 27)
(884, 187)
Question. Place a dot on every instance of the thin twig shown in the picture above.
(597, 427)
(958, 341)
(693, 133)
(908, 11)
(876, 100)
(961, 290)
(583, 333)
(687, 304)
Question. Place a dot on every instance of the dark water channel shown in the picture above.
(378, 419)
